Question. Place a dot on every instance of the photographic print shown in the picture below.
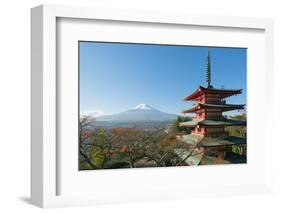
(152, 105)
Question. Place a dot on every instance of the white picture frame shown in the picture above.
(44, 153)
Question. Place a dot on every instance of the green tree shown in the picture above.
(100, 144)
(239, 131)
(180, 119)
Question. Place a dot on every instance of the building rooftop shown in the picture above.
(230, 140)
(200, 140)
(225, 122)
(189, 158)
(210, 90)
(222, 107)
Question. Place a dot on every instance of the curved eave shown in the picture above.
(203, 90)
(221, 91)
(194, 139)
(227, 141)
(197, 93)
(189, 123)
(222, 107)
(191, 110)
(226, 122)
(191, 139)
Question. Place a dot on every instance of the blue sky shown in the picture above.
(115, 77)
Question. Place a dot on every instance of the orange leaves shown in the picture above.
(124, 131)
(123, 149)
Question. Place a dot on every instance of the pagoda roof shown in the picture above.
(223, 107)
(230, 140)
(191, 156)
(195, 155)
(212, 141)
(210, 90)
(191, 123)
(191, 139)
(225, 122)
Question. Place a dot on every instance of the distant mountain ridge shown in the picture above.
(93, 114)
(139, 113)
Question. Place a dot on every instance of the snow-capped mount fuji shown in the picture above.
(143, 107)
(139, 113)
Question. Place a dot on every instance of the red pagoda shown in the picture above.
(209, 139)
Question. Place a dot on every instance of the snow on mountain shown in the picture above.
(143, 107)
(140, 113)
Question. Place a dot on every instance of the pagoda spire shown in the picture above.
(208, 70)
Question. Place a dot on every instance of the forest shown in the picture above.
(103, 148)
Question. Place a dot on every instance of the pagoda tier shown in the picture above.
(207, 146)
(209, 108)
(193, 139)
(224, 122)
(221, 93)
(212, 107)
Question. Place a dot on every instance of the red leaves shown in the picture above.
(87, 133)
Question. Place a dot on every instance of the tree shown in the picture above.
(238, 131)
(94, 146)
(130, 143)
(179, 128)
(101, 148)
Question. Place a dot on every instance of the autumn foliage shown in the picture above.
(126, 148)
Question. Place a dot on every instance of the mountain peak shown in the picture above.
(139, 113)
(143, 107)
